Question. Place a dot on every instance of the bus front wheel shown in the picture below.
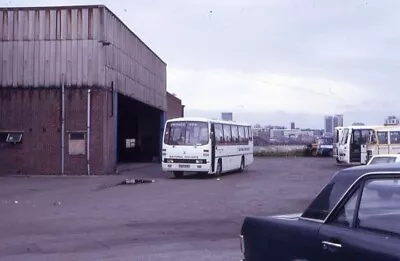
(178, 174)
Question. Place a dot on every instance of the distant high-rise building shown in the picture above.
(227, 116)
(293, 125)
(329, 124)
(358, 124)
(392, 120)
(337, 120)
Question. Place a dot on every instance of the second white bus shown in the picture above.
(204, 145)
(354, 140)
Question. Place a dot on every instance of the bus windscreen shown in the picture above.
(187, 133)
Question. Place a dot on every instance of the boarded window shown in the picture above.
(77, 143)
(11, 137)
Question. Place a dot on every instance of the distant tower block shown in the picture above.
(227, 116)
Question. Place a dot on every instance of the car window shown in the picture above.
(380, 206)
(380, 160)
(345, 215)
(326, 200)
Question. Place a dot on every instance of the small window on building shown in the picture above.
(11, 137)
(130, 143)
(14, 137)
(77, 143)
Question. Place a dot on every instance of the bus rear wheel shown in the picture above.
(178, 174)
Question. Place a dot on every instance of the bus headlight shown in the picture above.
(170, 161)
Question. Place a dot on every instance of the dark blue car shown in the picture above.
(356, 216)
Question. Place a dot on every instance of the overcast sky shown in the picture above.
(272, 61)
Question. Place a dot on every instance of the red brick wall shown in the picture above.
(174, 107)
(37, 113)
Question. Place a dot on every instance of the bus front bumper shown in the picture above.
(191, 167)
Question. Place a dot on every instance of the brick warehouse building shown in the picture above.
(175, 109)
(79, 92)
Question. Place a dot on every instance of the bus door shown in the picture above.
(355, 146)
(213, 146)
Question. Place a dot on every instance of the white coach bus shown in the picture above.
(354, 140)
(204, 145)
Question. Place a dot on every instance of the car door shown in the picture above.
(366, 225)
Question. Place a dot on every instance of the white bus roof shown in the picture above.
(207, 120)
(363, 127)
(388, 128)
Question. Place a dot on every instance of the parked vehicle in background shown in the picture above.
(359, 205)
(325, 146)
(354, 139)
(384, 158)
(337, 137)
(385, 140)
(204, 145)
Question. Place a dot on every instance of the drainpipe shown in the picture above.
(62, 123)
(88, 131)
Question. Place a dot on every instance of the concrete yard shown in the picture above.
(195, 218)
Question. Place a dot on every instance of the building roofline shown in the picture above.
(80, 7)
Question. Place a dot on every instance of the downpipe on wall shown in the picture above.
(88, 131)
(62, 123)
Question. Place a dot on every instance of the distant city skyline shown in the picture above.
(303, 120)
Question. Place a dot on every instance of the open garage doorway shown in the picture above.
(138, 131)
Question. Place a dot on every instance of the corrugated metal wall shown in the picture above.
(38, 45)
(134, 68)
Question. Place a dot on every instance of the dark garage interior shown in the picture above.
(138, 131)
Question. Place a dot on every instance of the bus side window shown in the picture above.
(227, 133)
(242, 136)
(382, 137)
(394, 137)
(235, 134)
(219, 134)
(250, 134)
(246, 135)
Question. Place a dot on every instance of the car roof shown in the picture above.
(349, 175)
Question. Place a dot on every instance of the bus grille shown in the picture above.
(186, 161)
